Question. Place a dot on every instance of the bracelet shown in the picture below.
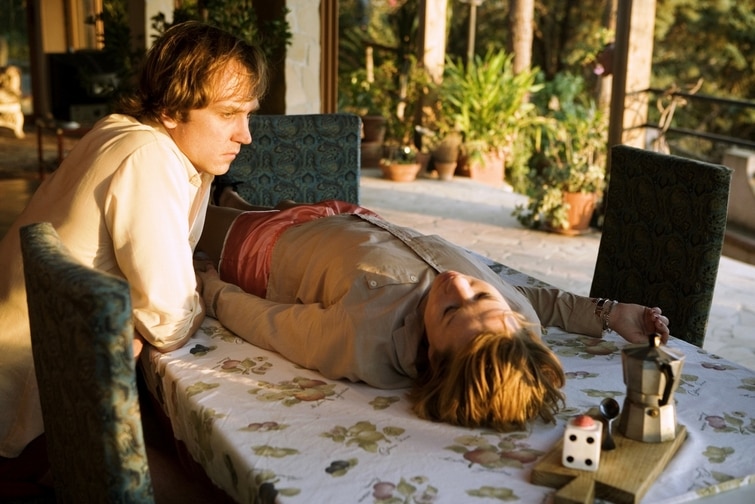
(599, 306)
(605, 314)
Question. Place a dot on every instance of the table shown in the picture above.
(261, 426)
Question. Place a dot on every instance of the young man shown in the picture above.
(131, 198)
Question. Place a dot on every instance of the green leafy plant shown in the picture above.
(487, 102)
(401, 154)
(357, 94)
(571, 155)
(404, 102)
(395, 93)
(115, 36)
(235, 16)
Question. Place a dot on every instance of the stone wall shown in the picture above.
(303, 58)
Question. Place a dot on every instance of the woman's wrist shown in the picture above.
(603, 309)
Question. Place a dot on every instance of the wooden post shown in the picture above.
(432, 43)
(328, 56)
(632, 61)
(632, 67)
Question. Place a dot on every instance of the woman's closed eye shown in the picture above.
(449, 309)
(482, 296)
(458, 308)
(477, 297)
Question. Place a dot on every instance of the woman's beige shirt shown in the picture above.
(344, 298)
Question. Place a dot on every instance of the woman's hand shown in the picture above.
(635, 322)
(203, 267)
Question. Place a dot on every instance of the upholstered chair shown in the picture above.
(82, 335)
(305, 158)
(663, 231)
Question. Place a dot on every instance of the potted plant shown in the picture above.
(382, 73)
(445, 155)
(488, 103)
(403, 99)
(440, 143)
(568, 169)
(360, 95)
(401, 163)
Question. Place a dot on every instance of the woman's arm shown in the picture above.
(579, 314)
(310, 335)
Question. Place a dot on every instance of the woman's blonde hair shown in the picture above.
(501, 381)
(183, 67)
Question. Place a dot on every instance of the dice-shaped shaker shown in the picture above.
(582, 443)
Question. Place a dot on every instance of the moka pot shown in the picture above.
(652, 373)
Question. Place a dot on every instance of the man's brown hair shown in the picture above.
(182, 68)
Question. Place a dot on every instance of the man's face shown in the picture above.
(211, 137)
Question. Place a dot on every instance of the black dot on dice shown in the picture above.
(570, 459)
(588, 462)
(572, 437)
(590, 440)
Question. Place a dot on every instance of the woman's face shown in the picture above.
(459, 307)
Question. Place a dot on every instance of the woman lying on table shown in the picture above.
(334, 288)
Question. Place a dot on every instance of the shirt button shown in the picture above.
(373, 283)
(413, 278)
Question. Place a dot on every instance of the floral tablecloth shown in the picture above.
(266, 429)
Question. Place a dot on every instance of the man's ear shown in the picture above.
(168, 121)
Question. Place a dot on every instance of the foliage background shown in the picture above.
(709, 39)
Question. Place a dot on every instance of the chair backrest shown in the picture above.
(82, 334)
(306, 158)
(663, 231)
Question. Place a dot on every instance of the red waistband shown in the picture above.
(248, 248)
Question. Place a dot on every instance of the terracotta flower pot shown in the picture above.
(489, 170)
(581, 208)
(400, 172)
(445, 170)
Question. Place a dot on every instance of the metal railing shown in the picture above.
(746, 143)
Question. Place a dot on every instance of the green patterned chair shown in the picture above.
(82, 335)
(304, 158)
(663, 232)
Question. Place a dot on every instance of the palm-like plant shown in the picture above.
(487, 101)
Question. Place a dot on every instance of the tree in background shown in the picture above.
(522, 18)
(709, 39)
(240, 17)
(259, 22)
(272, 33)
(712, 40)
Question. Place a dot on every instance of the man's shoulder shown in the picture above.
(126, 135)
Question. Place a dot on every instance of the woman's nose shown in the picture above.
(461, 287)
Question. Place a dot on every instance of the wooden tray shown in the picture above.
(624, 474)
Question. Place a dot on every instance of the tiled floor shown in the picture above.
(477, 217)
